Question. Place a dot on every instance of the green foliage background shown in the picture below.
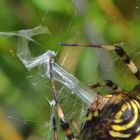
(71, 21)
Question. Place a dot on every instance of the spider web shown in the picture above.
(37, 77)
(71, 105)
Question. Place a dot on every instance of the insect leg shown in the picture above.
(115, 48)
(136, 90)
(54, 128)
(75, 125)
(107, 83)
(64, 125)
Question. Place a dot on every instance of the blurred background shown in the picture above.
(25, 112)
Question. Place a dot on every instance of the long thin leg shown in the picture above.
(107, 83)
(117, 49)
(75, 125)
(136, 90)
(54, 128)
(65, 125)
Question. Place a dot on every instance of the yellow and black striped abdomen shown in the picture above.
(118, 119)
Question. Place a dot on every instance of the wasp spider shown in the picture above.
(113, 117)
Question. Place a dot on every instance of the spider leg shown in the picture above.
(64, 125)
(136, 90)
(107, 83)
(55, 128)
(115, 48)
(75, 125)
